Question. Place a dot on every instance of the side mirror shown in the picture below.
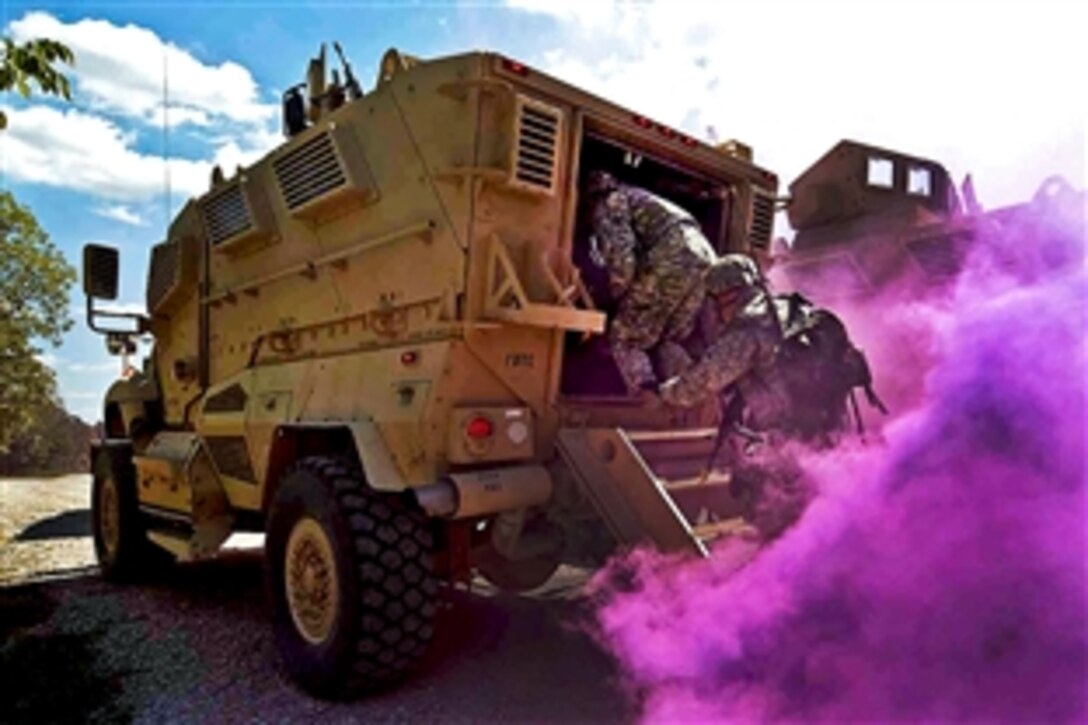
(100, 272)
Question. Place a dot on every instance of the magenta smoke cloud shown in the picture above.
(940, 575)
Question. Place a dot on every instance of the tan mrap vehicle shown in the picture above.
(382, 345)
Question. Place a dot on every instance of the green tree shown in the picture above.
(33, 61)
(34, 283)
(53, 442)
(34, 276)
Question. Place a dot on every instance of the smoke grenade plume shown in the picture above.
(939, 576)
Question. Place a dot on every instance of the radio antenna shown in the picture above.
(166, 130)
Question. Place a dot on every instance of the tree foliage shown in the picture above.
(34, 282)
(51, 442)
(34, 61)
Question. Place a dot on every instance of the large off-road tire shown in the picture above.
(351, 578)
(121, 545)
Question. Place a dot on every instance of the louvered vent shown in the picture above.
(172, 273)
(537, 144)
(759, 234)
(163, 273)
(308, 172)
(226, 215)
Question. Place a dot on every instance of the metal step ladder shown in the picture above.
(649, 488)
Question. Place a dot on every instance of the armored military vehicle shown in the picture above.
(381, 345)
(871, 221)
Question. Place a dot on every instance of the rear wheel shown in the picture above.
(121, 545)
(351, 578)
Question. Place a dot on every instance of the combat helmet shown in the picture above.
(730, 272)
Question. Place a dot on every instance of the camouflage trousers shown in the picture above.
(662, 304)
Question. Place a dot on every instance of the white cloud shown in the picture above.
(943, 81)
(75, 150)
(174, 116)
(91, 146)
(121, 213)
(120, 70)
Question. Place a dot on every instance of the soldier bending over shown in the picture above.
(741, 331)
(656, 257)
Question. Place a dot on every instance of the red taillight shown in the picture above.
(514, 67)
(479, 428)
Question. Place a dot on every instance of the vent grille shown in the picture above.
(309, 171)
(164, 273)
(762, 225)
(538, 139)
(226, 214)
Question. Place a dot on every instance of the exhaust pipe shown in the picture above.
(481, 493)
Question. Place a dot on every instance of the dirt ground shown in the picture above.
(196, 645)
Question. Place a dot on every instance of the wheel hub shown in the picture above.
(311, 581)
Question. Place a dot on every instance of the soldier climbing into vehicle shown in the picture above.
(782, 369)
(656, 258)
(791, 363)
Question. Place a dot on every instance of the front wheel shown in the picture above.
(121, 545)
(351, 579)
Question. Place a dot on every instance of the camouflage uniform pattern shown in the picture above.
(742, 352)
(671, 359)
(656, 257)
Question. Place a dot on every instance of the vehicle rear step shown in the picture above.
(653, 486)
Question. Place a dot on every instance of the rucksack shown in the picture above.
(819, 368)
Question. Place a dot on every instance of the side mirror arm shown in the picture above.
(93, 315)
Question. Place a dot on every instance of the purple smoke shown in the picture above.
(940, 574)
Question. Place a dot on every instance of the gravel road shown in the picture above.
(195, 645)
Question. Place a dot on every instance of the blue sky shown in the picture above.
(995, 89)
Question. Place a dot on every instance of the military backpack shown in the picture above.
(820, 369)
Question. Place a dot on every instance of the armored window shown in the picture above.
(881, 172)
(919, 181)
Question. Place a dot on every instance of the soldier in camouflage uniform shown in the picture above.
(656, 258)
(740, 329)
